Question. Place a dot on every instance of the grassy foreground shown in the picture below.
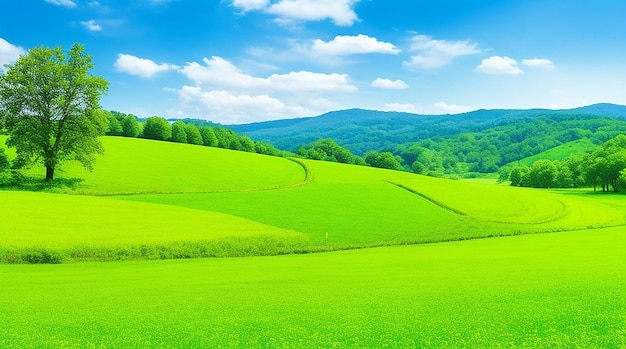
(535, 291)
(565, 289)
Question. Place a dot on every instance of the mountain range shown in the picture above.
(362, 130)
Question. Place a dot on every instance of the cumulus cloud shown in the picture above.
(390, 85)
(437, 53)
(219, 73)
(250, 5)
(91, 25)
(499, 65)
(141, 67)
(341, 12)
(349, 45)
(452, 108)
(308, 81)
(66, 3)
(538, 63)
(231, 108)
(9, 53)
(406, 108)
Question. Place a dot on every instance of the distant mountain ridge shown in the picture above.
(362, 130)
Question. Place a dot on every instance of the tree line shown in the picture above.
(327, 149)
(488, 150)
(605, 168)
(159, 128)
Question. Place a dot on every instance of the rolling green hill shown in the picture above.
(133, 165)
(561, 152)
(564, 289)
(183, 200)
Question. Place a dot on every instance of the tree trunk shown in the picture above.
(49, 173)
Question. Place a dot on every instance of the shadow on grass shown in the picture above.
(18, 181)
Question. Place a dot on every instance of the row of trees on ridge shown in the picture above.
(159, 128)
(605, 167)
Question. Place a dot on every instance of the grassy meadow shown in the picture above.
(551, 273)
(535, 291)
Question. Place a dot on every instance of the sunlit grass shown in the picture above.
(561, 152)
(540, 291)
(77, 227)
(146, 166)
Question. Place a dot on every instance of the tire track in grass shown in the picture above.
(428, 198)
(563, 211)
(308, 178)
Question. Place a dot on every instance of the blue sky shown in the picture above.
(239, 61)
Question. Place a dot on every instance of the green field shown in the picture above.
(149, 200)
(535, 291)
(561, 152)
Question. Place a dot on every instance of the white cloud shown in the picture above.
(250, 5)
(141, 67)
(91, 25)
(390, 85)
(538, 63)
(341, 12)
(9, 53)
(437, 53)
(308, 81)
(453, 108)
(219, 73)
(230, 108)
(66, 3)
(406, 108)
(499, 65)
(349, 45)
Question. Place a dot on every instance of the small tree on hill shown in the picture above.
(543, 174)
(179, 134)
(193, 134)
(51, 106)
(247, 144)
(208, 136)
(115, 127)
(157, 128)
(383, 160)
(130, 126)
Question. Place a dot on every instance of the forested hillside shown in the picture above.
(487, 150)
(469, 144)
(364, 130)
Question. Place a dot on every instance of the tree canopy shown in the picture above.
(157, 128)
(51, 107)
(606, 167)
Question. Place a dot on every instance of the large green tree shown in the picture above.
(51, 106)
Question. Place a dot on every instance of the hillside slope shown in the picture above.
(226, 203)
(133, 165)
(362, 130)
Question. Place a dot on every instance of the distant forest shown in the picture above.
(567, 148)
